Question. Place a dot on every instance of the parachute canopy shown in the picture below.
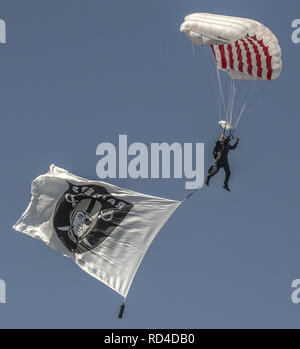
(245, 49)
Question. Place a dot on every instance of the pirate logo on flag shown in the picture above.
(86, 215)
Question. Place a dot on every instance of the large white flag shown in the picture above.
(105, 229)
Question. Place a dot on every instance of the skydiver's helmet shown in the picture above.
(84, 217)
(226, 140)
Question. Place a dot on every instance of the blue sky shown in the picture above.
(78, 73)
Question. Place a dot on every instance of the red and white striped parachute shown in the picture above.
(243, 48)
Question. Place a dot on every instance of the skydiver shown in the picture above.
(220, 153)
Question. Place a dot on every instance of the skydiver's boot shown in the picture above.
(207, 180)
(225, 186)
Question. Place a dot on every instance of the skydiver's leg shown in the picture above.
(227, 175)
(212, 171)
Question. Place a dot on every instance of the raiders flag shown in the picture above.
(105, 229)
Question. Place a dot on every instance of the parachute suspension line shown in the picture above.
(226, 87)
(222, 94)
(251, 104)
(244, 106)
(233, 95)
(193, 48)
(238, 97)
(229, 96)
(240, 115)
(229, 99)
(259, 94)
(220, 107)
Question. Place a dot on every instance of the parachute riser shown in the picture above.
(226, 133)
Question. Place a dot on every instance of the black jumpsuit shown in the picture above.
(221, 151)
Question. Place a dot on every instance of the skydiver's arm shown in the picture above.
(216, 149)
(215, 153)
(235, 145)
